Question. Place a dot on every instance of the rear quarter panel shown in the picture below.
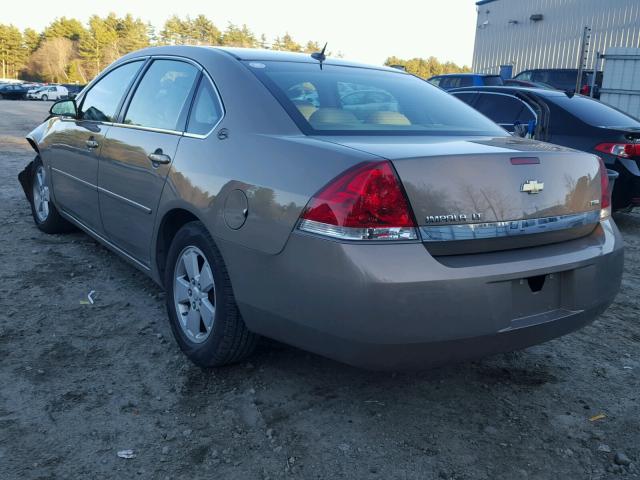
(264, 155)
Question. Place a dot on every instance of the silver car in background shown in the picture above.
(354, 211)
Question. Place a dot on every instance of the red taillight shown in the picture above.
(365, 202)
(605, 198)
(625, 150)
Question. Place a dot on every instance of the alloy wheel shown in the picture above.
(41, 194)
(194, 294)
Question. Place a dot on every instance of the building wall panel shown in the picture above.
(506, 35)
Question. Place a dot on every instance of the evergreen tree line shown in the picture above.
(426, 67)
(68, 51)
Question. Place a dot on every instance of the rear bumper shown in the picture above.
(397, 307)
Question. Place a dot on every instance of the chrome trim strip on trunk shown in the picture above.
(513, 228)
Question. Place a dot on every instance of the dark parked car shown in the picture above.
(456, 80)
(573, 121)
(407, 232)
(563, 79)
(13, 91)
(512, 82)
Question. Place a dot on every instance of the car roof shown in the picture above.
(543, 92)
(549, 70)
(264, 55)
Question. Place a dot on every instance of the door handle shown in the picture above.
(92, 144)
(158, 157)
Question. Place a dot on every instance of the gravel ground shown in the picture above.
(79, 383)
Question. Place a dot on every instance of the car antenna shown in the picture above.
(320, 56)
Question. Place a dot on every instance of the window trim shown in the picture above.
(124, 103)
(132, 91)
(85, 92)
(193, 100)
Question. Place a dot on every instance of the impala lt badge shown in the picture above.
(455, 217)
(532, 186)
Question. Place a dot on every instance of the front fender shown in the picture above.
(35, 136)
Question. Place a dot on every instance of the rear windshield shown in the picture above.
(593, 112)
(338, 100)
(493, 81)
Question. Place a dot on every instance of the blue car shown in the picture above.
(456, 80)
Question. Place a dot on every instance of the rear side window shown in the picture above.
(465, 97)
(435, 81)
(593, 112)
(455, 82)
(206, 111)
(101, 102)
(160, 100)
(501, 109)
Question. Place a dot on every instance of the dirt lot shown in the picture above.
(78, 383)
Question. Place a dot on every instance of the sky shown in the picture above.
(366, 31)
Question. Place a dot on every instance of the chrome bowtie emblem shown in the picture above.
(532, 186)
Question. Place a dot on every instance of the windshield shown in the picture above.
(338, 100)
(593, 112)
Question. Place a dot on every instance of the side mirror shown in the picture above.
(64, 108)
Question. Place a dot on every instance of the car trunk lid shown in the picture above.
(478, 195)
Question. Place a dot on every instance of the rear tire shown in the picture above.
(202, 310)
(45, 214)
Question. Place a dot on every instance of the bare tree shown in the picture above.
(51, 60)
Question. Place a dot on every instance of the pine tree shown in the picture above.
(13, 54)
(64, 27)
(235, 36)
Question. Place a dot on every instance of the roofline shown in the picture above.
(483, 2)
(504, 88)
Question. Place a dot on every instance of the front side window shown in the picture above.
(101, 102)
(160, 100)
(363, 101)
(206, 110)
(560, 79)
(524, 76)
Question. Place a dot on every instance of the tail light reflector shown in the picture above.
(624, 150)
(605, 199)
(365, 202)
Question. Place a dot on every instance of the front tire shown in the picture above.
(44, 98)
(45, 214)
(202, 310)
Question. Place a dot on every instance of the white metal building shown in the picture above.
(547, 33)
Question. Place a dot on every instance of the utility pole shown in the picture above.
(582, 56)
